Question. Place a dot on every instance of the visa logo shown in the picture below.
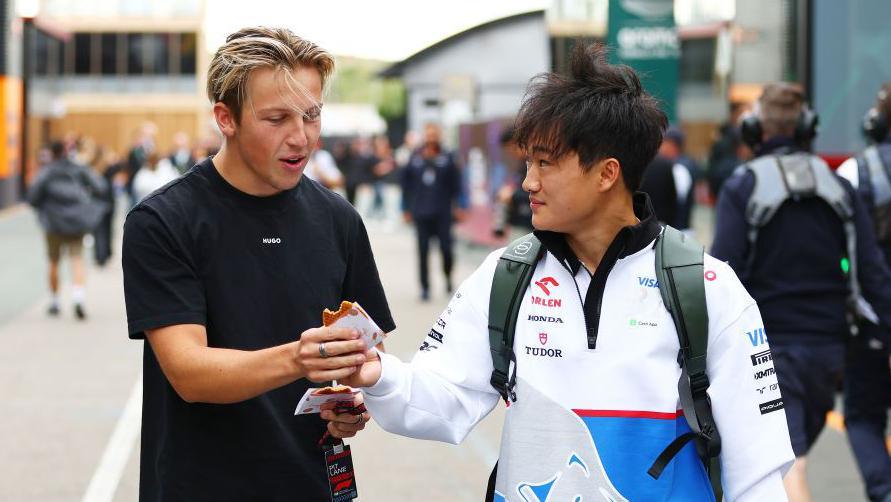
(757, 337)
(648, 282)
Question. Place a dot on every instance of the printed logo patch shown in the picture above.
(776, 404)
(761, 357)
(648, 282)
(547, 302)
(544, 282)
(542, 318)
(757, 337)
(638, 322)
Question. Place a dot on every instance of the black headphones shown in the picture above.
(875, 125)
(752, 131)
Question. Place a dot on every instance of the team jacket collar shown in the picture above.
(628, 241)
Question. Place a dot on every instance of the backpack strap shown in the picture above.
(864, 180)
(679, 270)
(512, 276)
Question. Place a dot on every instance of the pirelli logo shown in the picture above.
(776, 404)
(761, 357)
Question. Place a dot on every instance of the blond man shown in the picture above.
(226, 272)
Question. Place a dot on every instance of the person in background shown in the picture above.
(323, 169)
(69, 200)
(155, 173)
(431, 200)
(108, 165)
(181, 157)
(143, 145)
(867, 378)
(686, 174)
(383, 167)
(512, 214)
(801, 241)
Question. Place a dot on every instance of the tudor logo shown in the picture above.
(543, 338)
(522, 248)
(543, 284)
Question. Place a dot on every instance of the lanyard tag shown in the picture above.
(341, 478)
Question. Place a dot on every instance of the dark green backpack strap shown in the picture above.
(680, 271)
(512, 276)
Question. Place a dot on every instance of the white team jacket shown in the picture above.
(588, 424)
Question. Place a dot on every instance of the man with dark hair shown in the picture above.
(431, 196)
(867, 378)
(226, 273)
(512, 214)
(800, 240)
(593, 397)
(69, 200)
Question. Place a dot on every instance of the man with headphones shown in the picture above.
(800, 240)
(867, 376)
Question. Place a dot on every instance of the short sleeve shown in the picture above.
(363, 283)
(161, 285)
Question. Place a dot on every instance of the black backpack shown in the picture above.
(679, 270)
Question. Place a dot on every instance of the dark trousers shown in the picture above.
(350, 190)
(439, 226)
(102, 236)
(867, 398)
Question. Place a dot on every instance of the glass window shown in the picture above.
(156, 48)
(41, 53)
(108, 53)
(697, 62)
(134, 53)
(187, 51)
(82, 51)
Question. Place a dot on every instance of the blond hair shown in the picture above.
(259, 47)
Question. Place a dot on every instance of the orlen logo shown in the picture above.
(543, 284)
(546, 302)
(272, 240)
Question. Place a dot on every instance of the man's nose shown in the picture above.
(297, 134)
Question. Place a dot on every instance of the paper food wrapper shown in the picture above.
(358, 319)
(310, 403)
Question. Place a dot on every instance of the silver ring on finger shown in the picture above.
(322, 352)
(359, 421)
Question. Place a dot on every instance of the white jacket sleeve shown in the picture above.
(445, 391)
(746, 401)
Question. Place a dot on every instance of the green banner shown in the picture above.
(642, 35)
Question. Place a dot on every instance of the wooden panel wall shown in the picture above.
(117, 130)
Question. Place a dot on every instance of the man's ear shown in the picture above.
(609, 175)
(225, 119)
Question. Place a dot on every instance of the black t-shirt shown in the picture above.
(257, 272)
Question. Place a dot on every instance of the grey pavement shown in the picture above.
(65, 385)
